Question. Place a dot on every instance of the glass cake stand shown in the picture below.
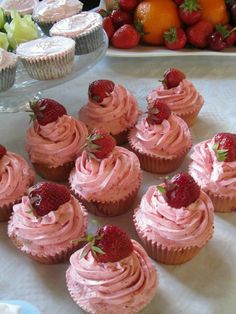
(25, 88)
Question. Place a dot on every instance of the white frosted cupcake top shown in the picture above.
(56, 10)
(46, 46)
(7, 59)
(79, 24)
(22, 6)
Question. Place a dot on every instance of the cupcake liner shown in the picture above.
(59, 174)
(222, 204)
(90, 41)
(191, 116)
(6, 210)
(44, 26)
(121, 138)
(7, 77)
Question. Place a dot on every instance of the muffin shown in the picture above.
(54, 140)
(161, 139)
(15, 178)
(48, 12)
(8, 63)
(48, 224)
(118, 281)
(22, 7)
(106, 178)
(214, 168)
(47, 58)
(85, 28)
(174, 220)
(180, 94)
(111, 107)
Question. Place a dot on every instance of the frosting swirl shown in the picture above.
(56, 143)
(121, 287)
(172, 227)
(7, 59)
(117, 112)
(181, 99)
(219, 177)
(23, 7)
(121, 168)
(15, 178)
(169, 138)
(51, 233)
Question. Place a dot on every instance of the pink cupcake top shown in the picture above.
(116, 113)
(181, 99)
(57, 142)
(172, 227)
(120, 287)
(15, 178)
(219, 177)
(170, 138)
(23, 7)
(49, 234)
(120, 169)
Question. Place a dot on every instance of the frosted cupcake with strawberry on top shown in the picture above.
(106, 178)
(16, 177)
(111, 274)
(46, 222)
(214, 168)
(161, 139)
(180, 95)
(54, 140)
(174, 220)
(111, 107)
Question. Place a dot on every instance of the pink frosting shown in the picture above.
(172, 227)
(109, 179)
(117, 112)
(23, 7)
(181, 99)
(170, 138)
(15, 178)
(49, 234)
(57, 142)
(121, 287)
(212, 175)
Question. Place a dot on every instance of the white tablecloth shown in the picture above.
(205, 285)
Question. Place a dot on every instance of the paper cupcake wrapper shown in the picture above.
(191, 116)
(6, 210)
(7, 77)
(44, 26)
(121, 138)
(222, 204)
(90, 41)
(58, 174)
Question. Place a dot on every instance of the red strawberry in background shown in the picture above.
(198, 33)
(172, 78)
(175, 38)
(126, 37)
(108, 26)
(46, 110)
(99, 144)
(190, 12)
(3, 151)
(46, 197)
(157, 112)
(178, 2)
(100, 89)
(128, 5)
(120, 18)
(180, 191)
(225, 146)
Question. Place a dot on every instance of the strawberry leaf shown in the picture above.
(161, 189)
(97, 250)
(85, 251)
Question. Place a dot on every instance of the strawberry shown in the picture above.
(180, 191)
(175, 38)
(128, 5)
(190, 12)
(100, 89)
(120, 18)
(172, 78)
(198, 33)
(46, 197)
(225, 146)
(108, 26)
(158, 112)
(3, 151)
(46, 110)
(126, 37)
(178, 2)
(99, 144)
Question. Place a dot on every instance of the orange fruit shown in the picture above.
(214, 11)
(156, 16)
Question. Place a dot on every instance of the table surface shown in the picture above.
(205, 285)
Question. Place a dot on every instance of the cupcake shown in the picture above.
(15, 178)
(161, 140)
(47, 58)
(85, 28)
(180, 95)
(48, 12)
(8, 62)
(111, 107)
(54, 140)
(106, 178)
(214, 168)
(22, 7)
(121, 280)
(48, 224)
(174, 220)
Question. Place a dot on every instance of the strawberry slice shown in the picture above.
(158, 112)
(3, 151)
(100, 89)
(225, 146)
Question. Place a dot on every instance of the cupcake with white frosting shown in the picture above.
(8, 64)
(22, 7)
